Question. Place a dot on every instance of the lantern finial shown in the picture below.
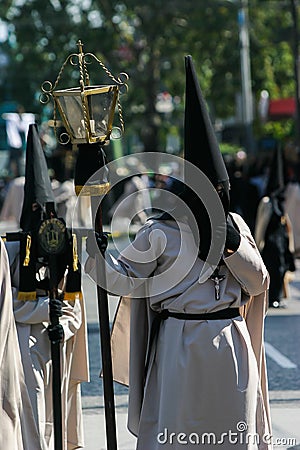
(86, 111)
(80, 46)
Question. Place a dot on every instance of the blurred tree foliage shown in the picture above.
(148, 40)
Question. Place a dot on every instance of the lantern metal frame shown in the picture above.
(83, 94)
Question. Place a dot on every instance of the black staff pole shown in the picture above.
(55, 356)
(103, 313)
(52, 236)
(90, 159)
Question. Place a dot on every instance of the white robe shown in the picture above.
(18, 430)
(204, 376)
(14, 197)
(32, 319)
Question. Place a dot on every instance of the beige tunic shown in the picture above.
(204, 376)
(32, 319)
(18, 430)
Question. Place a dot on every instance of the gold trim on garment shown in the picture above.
(27, 296)
(71, 296)
(27, 254)
(75, 254)
(92, 190)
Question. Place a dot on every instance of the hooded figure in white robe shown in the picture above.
(203, 375)
(32, 321)
(30, 270)
(18, 430)
(188, 334)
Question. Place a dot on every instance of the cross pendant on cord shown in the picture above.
(217, 278)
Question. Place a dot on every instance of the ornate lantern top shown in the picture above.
(86, 111)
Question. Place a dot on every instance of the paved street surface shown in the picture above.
(282, 336)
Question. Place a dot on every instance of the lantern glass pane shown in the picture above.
(101, 109)
(72, 108)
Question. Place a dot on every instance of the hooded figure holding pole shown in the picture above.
(187, 337)
(48, 309)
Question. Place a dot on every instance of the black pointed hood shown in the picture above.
(276, 180)
(37, 187)
(201, 147)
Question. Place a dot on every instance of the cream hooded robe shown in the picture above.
(206, 381)
(32, 319)
(18, 430)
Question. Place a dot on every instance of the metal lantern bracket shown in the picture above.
(81, 98)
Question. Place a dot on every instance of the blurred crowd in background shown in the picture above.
(133, 199)
(248, 174)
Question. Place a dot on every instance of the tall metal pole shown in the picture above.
(247, 100)
(56, 364)
(103, 312)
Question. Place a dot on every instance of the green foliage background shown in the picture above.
(149, 40)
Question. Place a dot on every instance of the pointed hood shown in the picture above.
(276, 181)
(201, 147)
(37, 187)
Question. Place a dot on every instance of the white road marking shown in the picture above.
(278, 357)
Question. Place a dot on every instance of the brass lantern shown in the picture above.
(86, 111)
